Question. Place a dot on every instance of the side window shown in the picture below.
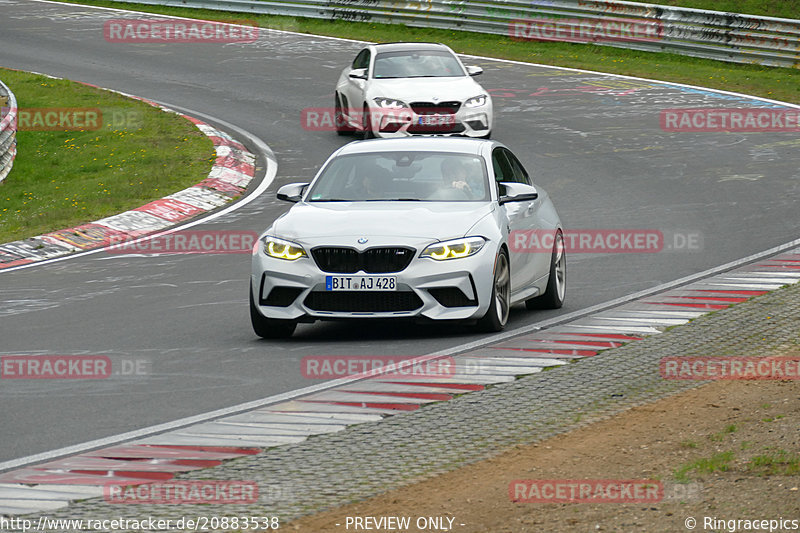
(361, 60)
(502, 170)
(520, 174)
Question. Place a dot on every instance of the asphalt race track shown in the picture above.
(593, 141)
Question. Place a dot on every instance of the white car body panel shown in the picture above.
(356, 94)
(414, 225)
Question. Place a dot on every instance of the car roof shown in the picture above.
(391, 47)
(460, 145)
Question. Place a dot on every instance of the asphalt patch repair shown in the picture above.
(722, 452)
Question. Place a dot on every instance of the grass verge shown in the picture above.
(769, 82)
(63, 178)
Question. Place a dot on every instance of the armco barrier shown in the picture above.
(8, 130)
(694, 32)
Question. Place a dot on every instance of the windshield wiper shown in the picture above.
(394, 200)
(330, 200)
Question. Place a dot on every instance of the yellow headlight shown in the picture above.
(454, 249)
(454, 252)
(281, 249)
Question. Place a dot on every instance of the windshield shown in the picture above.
(402, 176)
(417, 64)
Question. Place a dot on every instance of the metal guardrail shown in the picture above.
(8, 131)
(693, 32)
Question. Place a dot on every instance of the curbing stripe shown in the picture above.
(229, 177)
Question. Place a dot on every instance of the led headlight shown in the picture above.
(454, 249)
(476, 101)
(281, 249)
(389, 103)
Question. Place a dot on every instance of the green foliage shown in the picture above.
(133, 154)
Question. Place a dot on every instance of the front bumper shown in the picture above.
(455, 289)
(467, 122)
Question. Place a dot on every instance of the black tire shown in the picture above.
(554, 294)
(269, 328)
(496, 316)
(366, 124)
(342, 127)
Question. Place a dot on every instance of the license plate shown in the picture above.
(437, 120)
(360, 283)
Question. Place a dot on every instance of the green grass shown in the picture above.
(64, 178)
(770, 82)
(717, 462)
(717, 437)
(767, 8)
(778, 462)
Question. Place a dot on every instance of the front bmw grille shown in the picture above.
(364, 302)
(431, 108)
(371, 261)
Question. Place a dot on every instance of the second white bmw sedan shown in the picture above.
(434, 228)
(402, 89)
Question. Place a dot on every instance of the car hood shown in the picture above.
(426, 89)
(337, 222)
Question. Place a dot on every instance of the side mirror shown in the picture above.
(358, 74)
(473, 70)
(516, 192)
(292, 192)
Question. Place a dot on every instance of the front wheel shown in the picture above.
(553, 297)
(496, 316)
(269, 328)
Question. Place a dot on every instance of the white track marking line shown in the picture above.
(271, 171)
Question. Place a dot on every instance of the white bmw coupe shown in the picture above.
(402, 89)
(426, 228)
